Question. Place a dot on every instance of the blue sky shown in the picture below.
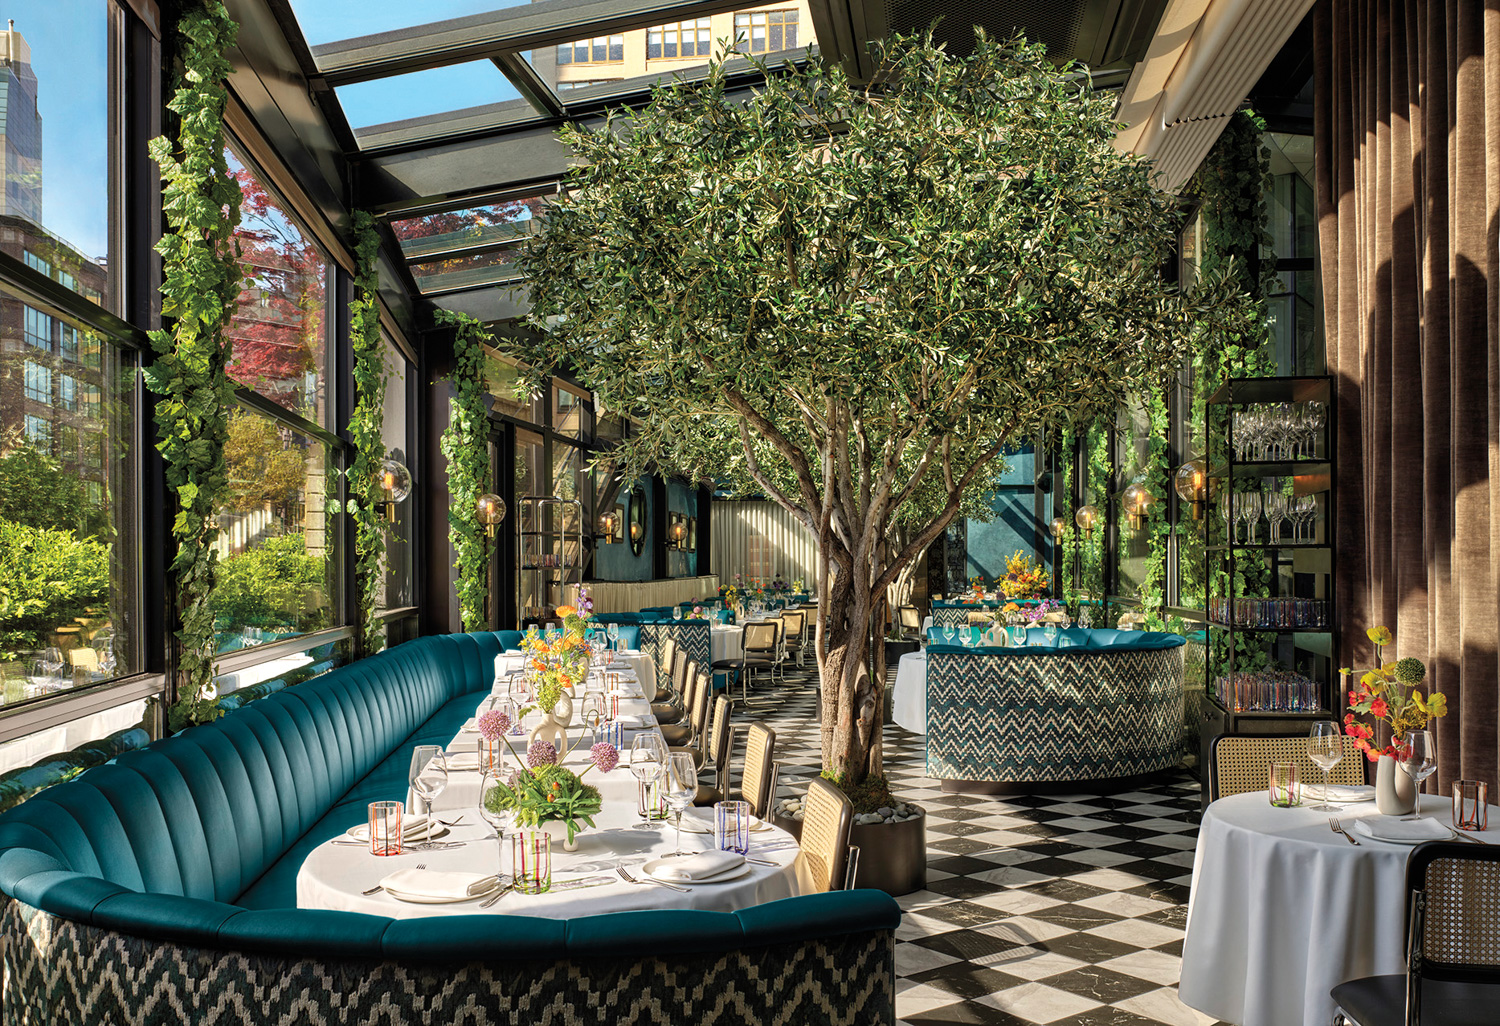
(68, 40)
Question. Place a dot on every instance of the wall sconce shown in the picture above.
(678, 532)
(1137, 504)
(490, 509)
(1191, 483)
(635, 531)
(394, 481)
(609, 526)
(1086, 517)
(1059, 525)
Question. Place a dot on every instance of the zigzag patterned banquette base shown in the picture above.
(61, 973)
(1077, 717)
(693, 638)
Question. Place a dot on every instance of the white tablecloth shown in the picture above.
(333, 875)
(1283, 909)
(728, 642)
(909, 694)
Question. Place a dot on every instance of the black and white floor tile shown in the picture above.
(1063, 910)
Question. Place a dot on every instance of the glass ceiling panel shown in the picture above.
(328, 21)
(607, 65)
(466, 272)
(473, 228)
(423, 94)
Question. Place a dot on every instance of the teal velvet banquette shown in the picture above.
(160, 888)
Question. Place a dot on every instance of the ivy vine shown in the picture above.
(201, 283)
(366, 426)
(465, 443)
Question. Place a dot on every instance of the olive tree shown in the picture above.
(854, 298)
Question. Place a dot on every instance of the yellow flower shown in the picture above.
(1373, 682)
(1437, 705)
(1379, 635)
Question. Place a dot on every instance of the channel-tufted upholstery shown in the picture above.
(196, 840)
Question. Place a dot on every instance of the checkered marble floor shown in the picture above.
(1065, 910)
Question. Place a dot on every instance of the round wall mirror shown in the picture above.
(635, 515)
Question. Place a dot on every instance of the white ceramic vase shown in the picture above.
(558, 832)
(1395, 792)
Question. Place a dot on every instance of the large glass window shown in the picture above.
(278, 566)
(680, 39)
(55, 123)
(399, 586)
(280, 329)
(570, 411)
(599, 50)
(766, 31)
(68, 545)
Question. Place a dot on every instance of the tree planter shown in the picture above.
(892, 856)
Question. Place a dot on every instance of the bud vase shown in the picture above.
(1395, 792)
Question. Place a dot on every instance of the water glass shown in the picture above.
(732, 826)
(1471, 805)
(1286, 792)
(611, 733)
(531, 861)
(385, 828)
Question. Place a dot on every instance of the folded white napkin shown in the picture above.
(694, 868)
(463, 760)
(413, 828)
(426, 883)
(1389, 828)
(1343, 792)
(701, 821)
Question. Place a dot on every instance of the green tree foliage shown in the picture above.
(365, 430)
(844, 296)
(201, 282)
(465, 443)
(263, 469)
(47, 577)
(37, 492)
(274, 585)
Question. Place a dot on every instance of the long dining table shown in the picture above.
(587, 881)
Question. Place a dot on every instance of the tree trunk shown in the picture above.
(852, 683)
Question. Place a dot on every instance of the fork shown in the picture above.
(625, 875)
(372, 890)
(1333, 825)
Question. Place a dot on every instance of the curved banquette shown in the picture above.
(160, 888)
(1093, 707)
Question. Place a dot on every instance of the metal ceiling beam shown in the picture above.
(490, 35)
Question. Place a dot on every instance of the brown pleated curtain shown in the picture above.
(1408, 189)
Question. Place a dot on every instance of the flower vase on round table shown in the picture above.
(1395, 792)
(558, 831)
(554, 726)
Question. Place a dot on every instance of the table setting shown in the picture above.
(467, 839)
(1299, 887)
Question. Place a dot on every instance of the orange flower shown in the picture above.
(567, 611)
(1379, 708)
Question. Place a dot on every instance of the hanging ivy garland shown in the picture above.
(466, 445)
(201, 283)
(366, 426)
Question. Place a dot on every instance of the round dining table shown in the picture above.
(1283, 908)
(337, 873)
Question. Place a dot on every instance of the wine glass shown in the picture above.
(948, 631)
(648, 757)
(613, 630)
(52, 661)
(1325, 747)
(1049, 631)
(429, 775)
(677, 612)
(1418, 757)
(682, 788)
(498, 819)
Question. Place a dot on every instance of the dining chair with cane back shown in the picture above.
(1452, 973)
(795, 622)
(1240, 761)
(911, 623)
(668, 654)
(720, 739)
(677, 702)
(823, 851)
(697, 721)
(758, 771)
(682, 733)
(759, 644)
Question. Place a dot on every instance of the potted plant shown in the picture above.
(754, 279)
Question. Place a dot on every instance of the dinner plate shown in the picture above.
(1410, 842)
(428, 899)
(361, 833)
(701, 825)
(729, 874)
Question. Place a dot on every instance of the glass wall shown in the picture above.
(400, 589)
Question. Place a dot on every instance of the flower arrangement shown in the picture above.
(545, 791)
(799, 586)
(1035, 614)
(1390, 692)
(560, 660)
(976, 585)
(1024, 577)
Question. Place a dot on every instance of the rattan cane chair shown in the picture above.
(758, 773)
(719, 739)
(794, 622)
(823, 852)
(668, 655)
(684, 732)
(760, 643)
(1240, 763)
(1452, 973)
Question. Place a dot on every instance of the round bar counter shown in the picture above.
(1101, 707)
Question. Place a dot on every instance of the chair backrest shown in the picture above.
(679, 671)
(703, 690)
(909, 619)
(827, 816)
(1240, 763)
(760, 637)
(668, 654)
(1453, 926)
(984, 618)
(796, 623)
(759, 769)
(719, 733)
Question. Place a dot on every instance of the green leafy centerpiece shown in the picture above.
(543, 791)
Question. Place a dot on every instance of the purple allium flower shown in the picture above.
(541, 753)
(605, 756)
(493, 725)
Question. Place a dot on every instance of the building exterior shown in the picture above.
(21, 127)
(664, 49)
